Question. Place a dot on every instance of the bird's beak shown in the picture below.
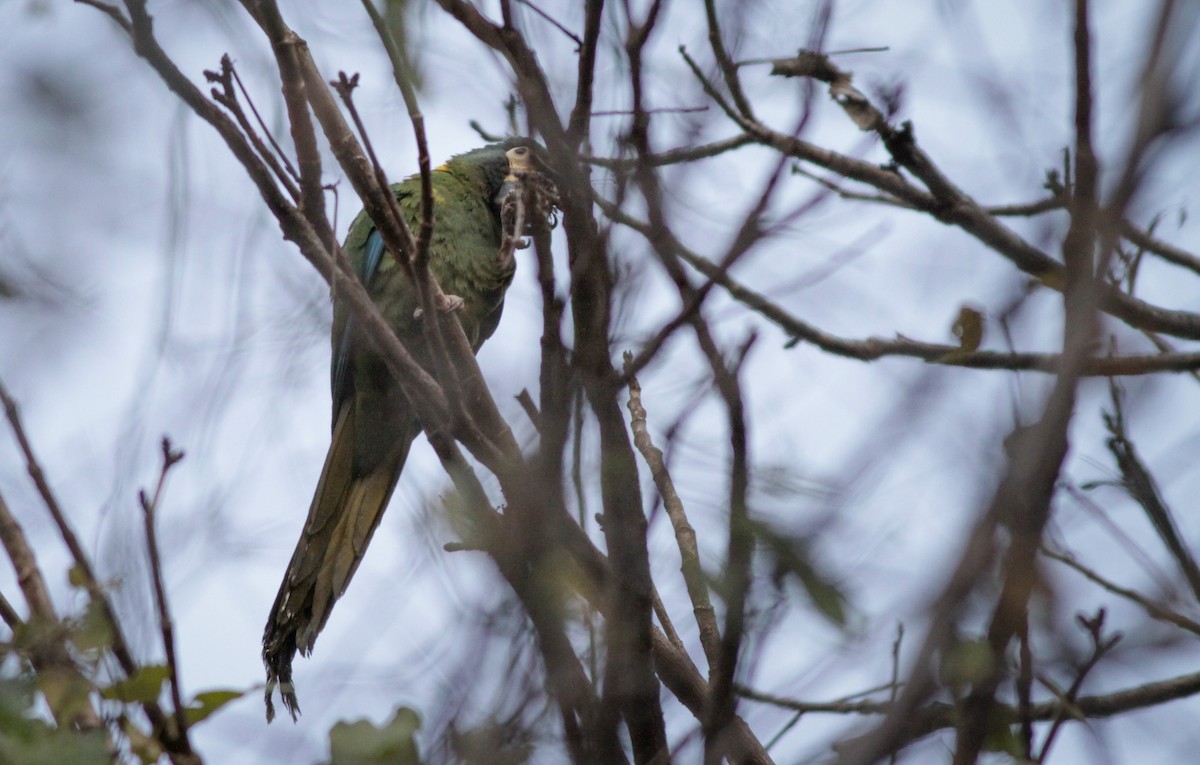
(520, 163)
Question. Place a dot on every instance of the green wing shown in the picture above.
(373, 427)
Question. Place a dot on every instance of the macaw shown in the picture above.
(373, 424)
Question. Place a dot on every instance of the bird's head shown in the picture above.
(498, 164)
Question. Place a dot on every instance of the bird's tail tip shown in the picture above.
(287, 693)
(278, 661)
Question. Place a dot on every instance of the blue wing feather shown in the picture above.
(340, 369)
(370, 264)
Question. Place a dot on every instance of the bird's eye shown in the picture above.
(521, 151)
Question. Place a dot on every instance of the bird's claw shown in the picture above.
(445, 304)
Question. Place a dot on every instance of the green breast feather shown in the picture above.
(463, 250)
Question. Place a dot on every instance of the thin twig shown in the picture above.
(940, 715)
(33, 585)
(1150, 607)
(685, 535)
(935, 353)
(1101, 645)
(149, 508)
(1167, 348)
(838, 706)
(894, 685)
(1167, 252)
(227, 97)
(1141, 486)
(8, 613)
(278, 150)
(111, 11)
(580, 122)
(531, 410)
(344, 85)
(1027, 209)
(724, 62)
(683, 155)
(951, 205)
(720, 737)
(553, 22)
(1024, 687)
(1019, 210)
(663, 110)
(80, 558)
(664, 621)
(290, 52)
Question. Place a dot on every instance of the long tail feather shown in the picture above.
(345, 512)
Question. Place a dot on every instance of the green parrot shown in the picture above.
(373, 424)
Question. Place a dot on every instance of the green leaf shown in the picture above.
(65, 690)
(204, 704)
(362, 743)
(77, 578)
(145, 748)
(966, 662)
(92, 631)
(27, 740)
(37, 632)
(144, 685)
(792, 558)
(968, 328)
(16, 698)
(48, 744)
(492, 743)
(1000, 735)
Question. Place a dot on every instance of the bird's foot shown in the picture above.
(445, 304)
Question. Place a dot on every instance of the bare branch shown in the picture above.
(227, 97)
(874, 348)
(729, 69)
(579, 124)
(178, 748)
(110, 11)
(1101, 645)
(685, 535)
(554, 23)
(7, 613)
(681, 155)
(940, 715)
(1167, 252)
(50, 655)
(1153, 609)
(951, 205)
(1140, 485)
(149, 509)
